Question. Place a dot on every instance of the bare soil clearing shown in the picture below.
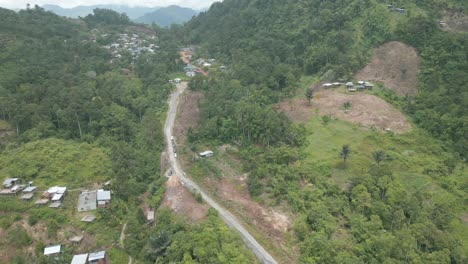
(232, 189)
(366, 110)
(188, 114)
(396, 65)
(182, 202)
(455, 21)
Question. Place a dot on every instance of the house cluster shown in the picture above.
(395, 9)
(361, 85)
(131, 43)
(13, 186)
(86, 258)
(54, 195)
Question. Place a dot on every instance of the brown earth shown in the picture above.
(396, 65)
(366, 110)
(273, 223)
(188, 114)
(455, 21)
(182, 202)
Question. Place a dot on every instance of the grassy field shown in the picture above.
(412, 156)
(56, 162)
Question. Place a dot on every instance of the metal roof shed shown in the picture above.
(27, 196)
(103, 195)
(51, 250)
(79, 259)
(9, 182)
(30, 189)
(96, 256)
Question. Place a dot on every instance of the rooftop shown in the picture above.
(150, 216)
(57, 189)
(30, 189)
(9, 181)
(52, 250)
(103, 195)
(88, 218)
(96, 255)
(27, 196)
(87, 201)
(55, 205)
(207, 152)
(79, 259)
(57, 197)
(42, 201)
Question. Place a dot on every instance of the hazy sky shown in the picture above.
(197, 4)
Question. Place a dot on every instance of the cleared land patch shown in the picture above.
(455, 21)
(181, 201)
(396, 65)
(187, 114)
(365, 109)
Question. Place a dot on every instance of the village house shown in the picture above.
(87, 201)
(103, 198)
(9, 182)
(52, 250)
(80, 259)
(97, 257)
(206, 154)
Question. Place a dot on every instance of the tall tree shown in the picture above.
(309, 95)
(379, 156)
(344, 153)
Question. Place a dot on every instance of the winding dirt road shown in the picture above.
(262, 255)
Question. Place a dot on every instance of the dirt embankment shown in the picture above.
(188, 114)
(455, 21)
(396, 65)
(365, 109)
(182, 202)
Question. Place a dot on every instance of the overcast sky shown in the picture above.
(196, 4)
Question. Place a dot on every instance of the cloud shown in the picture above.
(196, 4)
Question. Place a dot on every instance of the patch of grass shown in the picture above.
(413, 157)
(118, 256)
(56, 162)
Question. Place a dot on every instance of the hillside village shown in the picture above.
(53, 197)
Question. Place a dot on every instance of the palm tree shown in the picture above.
(344, 153)
(309, 94)
(378, 156)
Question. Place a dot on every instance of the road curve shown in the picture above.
(262, 255)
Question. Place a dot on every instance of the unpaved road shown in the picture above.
(262, 255)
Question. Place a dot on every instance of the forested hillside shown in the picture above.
(400, 197)
(335, 37)
(167, 16)
(79, 116)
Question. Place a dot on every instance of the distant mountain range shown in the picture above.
(168, 15)
(163, 16)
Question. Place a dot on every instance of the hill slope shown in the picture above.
(82, 11)
(167, 16)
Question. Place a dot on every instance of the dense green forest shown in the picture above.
(79, 117)
(406, 209)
